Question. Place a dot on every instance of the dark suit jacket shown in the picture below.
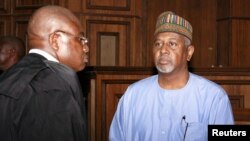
(41, 100)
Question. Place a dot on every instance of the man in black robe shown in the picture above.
(40, 97)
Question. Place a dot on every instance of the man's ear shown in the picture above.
(53, 40)
(190, 51)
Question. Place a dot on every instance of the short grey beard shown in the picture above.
(167, 69)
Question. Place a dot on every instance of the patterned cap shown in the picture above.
(170, 22)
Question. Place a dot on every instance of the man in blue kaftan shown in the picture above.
(175, 105)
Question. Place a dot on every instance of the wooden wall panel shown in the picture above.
(233, 33)
(237, 101)
(239, 8)
(109, 4)
(131, 51)
(224, 48)
(111, 88)
(121, 8)
(15, 15)
(73, 5)
(240, 43)
(122, 29)
(108, 49)
(2, 27)
(138, 51)
(32, 3)
(223, 9)
(233, 8)
(122, 18)
(125, 15)
(28, 6)
(244, 90)
(5, 19)
(236, 83)
(20, 24)
(4, 6)
(5, 25)
(112, 92)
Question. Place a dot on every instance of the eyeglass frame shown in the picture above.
(83, 40)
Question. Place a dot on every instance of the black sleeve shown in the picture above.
(52, 113)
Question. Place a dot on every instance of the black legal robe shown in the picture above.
(41, 100)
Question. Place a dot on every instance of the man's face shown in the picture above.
(4, 55)
(170, 52)
(73, 49)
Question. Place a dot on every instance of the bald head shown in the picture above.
(47, 20)
(58, 32)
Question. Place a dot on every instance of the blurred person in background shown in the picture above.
(12, 49)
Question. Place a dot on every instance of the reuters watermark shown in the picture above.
(220, 132)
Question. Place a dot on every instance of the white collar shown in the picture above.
(44, 54)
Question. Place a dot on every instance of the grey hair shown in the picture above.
(187, 41)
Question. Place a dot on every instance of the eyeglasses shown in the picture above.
(83, 40)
